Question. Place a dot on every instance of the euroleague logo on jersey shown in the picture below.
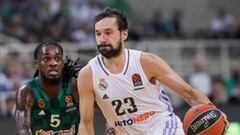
(68, 99)
(136, 78)
(137, 82)
(102, 84)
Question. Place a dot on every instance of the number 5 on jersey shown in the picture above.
(55, 120)
(126, 101)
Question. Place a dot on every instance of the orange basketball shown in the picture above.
(203, 119)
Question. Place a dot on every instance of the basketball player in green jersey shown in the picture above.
(48, 104)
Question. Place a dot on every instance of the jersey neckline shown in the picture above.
(125, 67)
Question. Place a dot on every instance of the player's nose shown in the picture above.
(101, 39)
(53, 62)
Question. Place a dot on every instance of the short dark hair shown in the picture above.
(118, 14)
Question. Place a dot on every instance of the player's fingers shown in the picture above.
(110, 131)
(226, 122)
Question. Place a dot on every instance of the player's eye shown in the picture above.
(46, 59)
(58, 59)
(108, 33)
(98, 34)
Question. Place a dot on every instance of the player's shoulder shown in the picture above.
(148, 58)
(86, 69)
(25, 89)
(85, 78)
(24, 96)
(85, 72)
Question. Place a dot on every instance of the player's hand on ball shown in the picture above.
(110, 131)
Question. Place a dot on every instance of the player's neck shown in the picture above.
(50, 89)
(116, 64)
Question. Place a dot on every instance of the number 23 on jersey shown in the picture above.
(129, 101)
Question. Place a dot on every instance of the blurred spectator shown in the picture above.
(84, 12)
(232, 83)
(135, 32)
(15, 27)
(219, 96)
(174, 25)
(14, 74)
(220, 25)
(122, 5)
(29, 69)
(235, 29)
(156, 25)
(59, 29)
(200, 78)
(12, 8)
(83, 34)
(35, 30)
(7, 39)
(236, 94)
(1, 25)
(3, 83)
(10, 106)
(30, 21)
(31, 38)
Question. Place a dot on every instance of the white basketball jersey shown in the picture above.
(129, 102)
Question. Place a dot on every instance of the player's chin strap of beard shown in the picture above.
(110, 131)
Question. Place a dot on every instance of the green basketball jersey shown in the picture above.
(58, 116)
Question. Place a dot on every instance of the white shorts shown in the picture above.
(170, 125)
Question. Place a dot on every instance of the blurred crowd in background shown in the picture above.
(30, 21)
(222, 90)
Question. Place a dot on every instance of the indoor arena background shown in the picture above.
(188, 34)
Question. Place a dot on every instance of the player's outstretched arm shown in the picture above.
(156, 68)
(24, 101)
(86, 95)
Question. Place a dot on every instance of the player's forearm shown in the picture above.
(23, 122)
(23, 129)
(24, 132)
(85, 129)
(194, 97)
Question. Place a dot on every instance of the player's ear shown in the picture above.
(124, 34)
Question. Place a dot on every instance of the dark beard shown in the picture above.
(112, 52)
(51, 81)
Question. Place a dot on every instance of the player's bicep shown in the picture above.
(24, 101)
(155, 67)
(161, 71)
(86, 95)
(172, 80)
(158, 69)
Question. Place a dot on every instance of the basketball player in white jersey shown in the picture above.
(124, 83)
